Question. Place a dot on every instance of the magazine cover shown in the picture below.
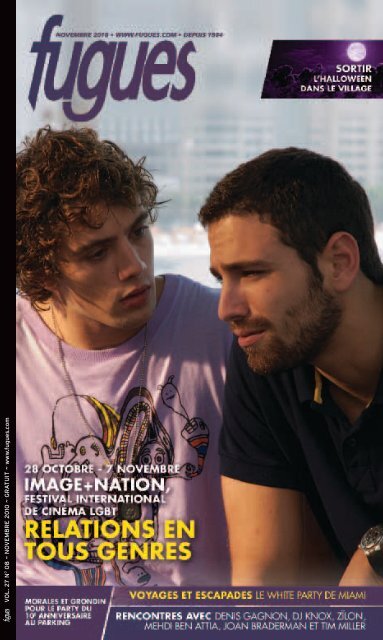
(137, 261)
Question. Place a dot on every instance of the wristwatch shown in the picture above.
(372, 545)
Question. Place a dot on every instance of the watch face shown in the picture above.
(372, 537)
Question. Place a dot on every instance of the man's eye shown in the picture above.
(218, 279)
(255, 273)
(96, 255)
(140, 231)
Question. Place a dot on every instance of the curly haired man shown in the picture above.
(120, 379)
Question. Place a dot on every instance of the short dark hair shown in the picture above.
(306, 196)
(60, 177)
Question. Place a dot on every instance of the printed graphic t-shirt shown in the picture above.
(120, 419)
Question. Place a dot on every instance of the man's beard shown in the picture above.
(308, 326)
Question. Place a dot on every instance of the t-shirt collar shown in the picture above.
(309, 385)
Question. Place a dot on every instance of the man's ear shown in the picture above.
(340, 261)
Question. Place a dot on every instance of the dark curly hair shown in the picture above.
(60, 178)
(306, 196)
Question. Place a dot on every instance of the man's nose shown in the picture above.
(232, 303)
(130, 263)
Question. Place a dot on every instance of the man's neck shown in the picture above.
(353, 360)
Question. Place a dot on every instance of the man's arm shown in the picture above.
(265, 533)
(275, 541)
(275, 538)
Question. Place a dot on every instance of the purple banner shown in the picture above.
(75, 612)
(326, 69)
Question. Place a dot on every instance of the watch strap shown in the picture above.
(376, 561)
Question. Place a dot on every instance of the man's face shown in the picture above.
(272, 300)
(107, 279)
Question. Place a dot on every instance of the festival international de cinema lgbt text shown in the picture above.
(119, 539)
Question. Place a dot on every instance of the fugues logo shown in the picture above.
(144, 68)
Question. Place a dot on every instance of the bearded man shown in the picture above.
(292, 242)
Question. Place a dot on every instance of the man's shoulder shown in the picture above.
(28, 321)
(194, 297)
(23, 308)
(191, 309)
(187, 285)
(24, 312)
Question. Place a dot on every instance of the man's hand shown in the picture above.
(359, 573)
